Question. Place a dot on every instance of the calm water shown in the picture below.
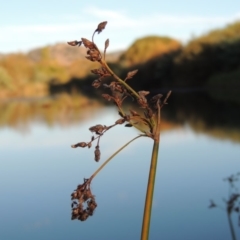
(39, 170)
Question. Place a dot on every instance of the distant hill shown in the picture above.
(64, 54)
(209, 57)
(205, 62)
(32, 72)
(147, 48)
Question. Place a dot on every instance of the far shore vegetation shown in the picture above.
(211, 62)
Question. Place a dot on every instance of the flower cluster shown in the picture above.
(84, 203)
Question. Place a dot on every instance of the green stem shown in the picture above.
(231, 227)
(119, 79)
(149, 194)
(151, 182)
(112, 156)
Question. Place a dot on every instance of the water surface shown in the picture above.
(39, 170)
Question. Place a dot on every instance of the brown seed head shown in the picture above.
(75, 43)
(97, 154)
(101, 26)
(120, 121)
(106, 44)
(155, 98)
(81, 144)
(88, 44)
(98, 129)
(131, 74)
(96, 83)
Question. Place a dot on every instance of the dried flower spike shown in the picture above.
(98, 129)
(75, 43)
(88, 44)
(106, 44)
(101, 26)
(131, 74)
(81, 144)
(97, 154)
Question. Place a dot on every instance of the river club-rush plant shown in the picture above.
(147, 114)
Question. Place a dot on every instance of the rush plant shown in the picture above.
(83, 201)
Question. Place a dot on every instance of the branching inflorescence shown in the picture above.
(118, 91)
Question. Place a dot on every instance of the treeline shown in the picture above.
(31, 74)
(209, 62)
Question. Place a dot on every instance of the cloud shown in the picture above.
(121, 19)
(123, 27)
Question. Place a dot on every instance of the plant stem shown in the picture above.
(119, 79)
(112, 156)
(151, 182)
(231, 227)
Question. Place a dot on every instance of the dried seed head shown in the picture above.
(127, 117)
(75, 43)
(97, 154)
(101, 26)
(131, 74)
(166, 98)
(102, 72)
(106, 44)
(93, 55)
(89, 144)
(83, 216)
(143, 93)
(120, 121)
(81, 144)
(91, 206)
(155, 98)
(98, 129)
(87, 194)
(142, 101)
(116, 87)
(96, 83)
(85, 203)
(88, 44)
(74, 195)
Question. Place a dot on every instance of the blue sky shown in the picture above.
(29, 24)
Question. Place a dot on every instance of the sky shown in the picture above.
(27, 24)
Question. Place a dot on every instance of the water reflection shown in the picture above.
(39, 171)
(232, 203)
(204, 114)
(196, 109)
(62, 110)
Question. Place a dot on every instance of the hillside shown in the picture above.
(147, 48)
(34, 71)
(64, 54)
(211, 61)
(214, 53)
